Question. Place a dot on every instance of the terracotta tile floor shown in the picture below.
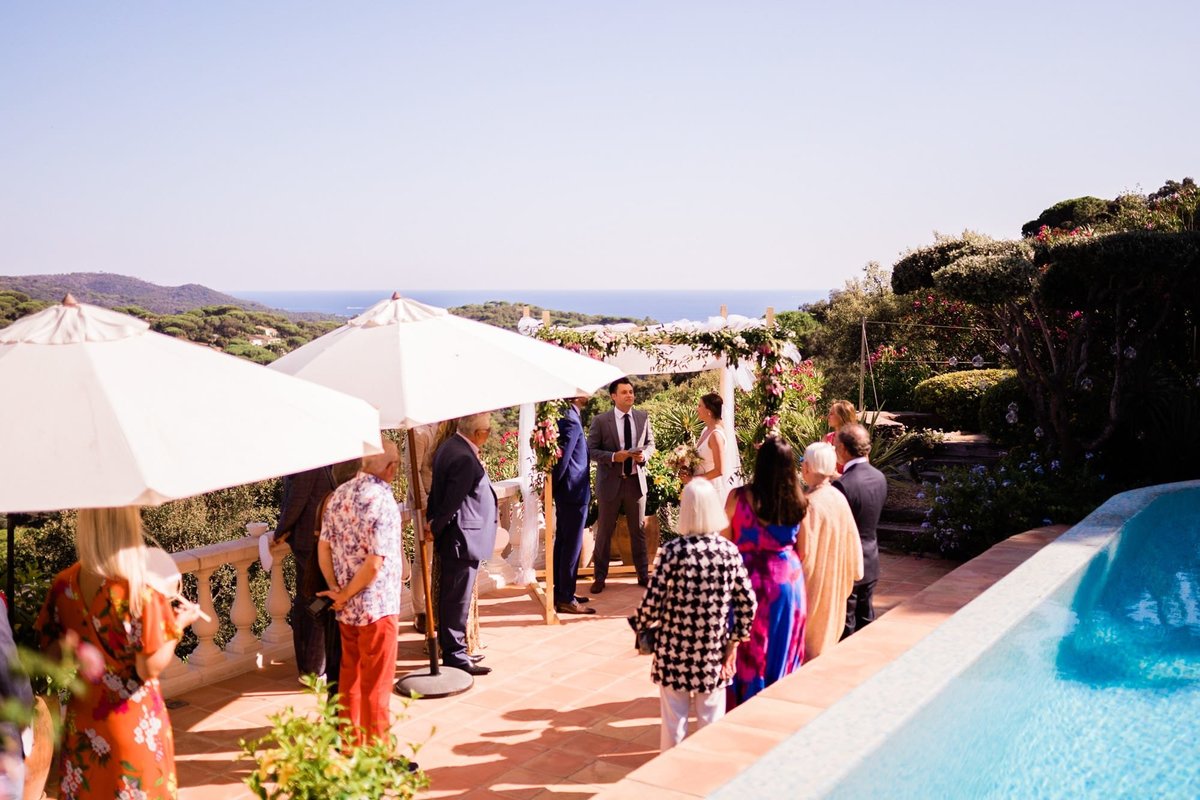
(568, 711)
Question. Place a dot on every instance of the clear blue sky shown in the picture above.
(567, 144)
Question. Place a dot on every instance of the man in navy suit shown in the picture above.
(571, 480)
(866, 490)
(462, 520)
(303, 494)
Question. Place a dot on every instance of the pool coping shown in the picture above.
(714, 756)
(812, 761)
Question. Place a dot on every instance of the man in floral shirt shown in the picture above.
(361, 559)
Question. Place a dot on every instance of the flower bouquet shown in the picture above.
(684, 460)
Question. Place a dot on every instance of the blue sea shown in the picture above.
(663, 306)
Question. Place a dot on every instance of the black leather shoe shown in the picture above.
(597, 587)
(582, 600)
(643, 581)
(475, 669)
(419, 623)
(475, 658)
(572, 608)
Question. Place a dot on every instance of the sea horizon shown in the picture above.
(660, 305)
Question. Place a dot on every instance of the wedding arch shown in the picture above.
(752, 355)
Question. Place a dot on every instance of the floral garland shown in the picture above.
(766, 347)
(544, 440)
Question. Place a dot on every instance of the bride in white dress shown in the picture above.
(718, 462)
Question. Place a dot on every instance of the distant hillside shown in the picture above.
(113, 291)
(503, 314)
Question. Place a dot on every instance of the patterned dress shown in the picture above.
(699, 596)
(117, 739)
(776, 645)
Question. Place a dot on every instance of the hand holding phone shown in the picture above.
(319, 606)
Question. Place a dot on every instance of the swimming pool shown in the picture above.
(1078, 675)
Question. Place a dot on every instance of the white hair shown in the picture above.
(474, 422)
(700, 509)
(821, 458)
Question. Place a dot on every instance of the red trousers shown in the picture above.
(365, 681)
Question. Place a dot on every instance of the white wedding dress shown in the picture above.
(723, 481)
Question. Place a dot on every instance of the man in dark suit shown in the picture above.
(571, 480)
(462, 520)
(619, 442)
(303, 494)
(866, 490)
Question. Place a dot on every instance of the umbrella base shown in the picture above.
(423, 683)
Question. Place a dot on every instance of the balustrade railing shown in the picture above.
(245, 651)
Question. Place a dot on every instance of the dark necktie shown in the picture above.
(628, 444)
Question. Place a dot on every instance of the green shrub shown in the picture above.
(1005, 413)
(305, 756)
(955, 396)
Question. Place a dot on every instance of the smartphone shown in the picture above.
(320, 605)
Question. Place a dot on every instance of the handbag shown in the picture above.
(644, 639)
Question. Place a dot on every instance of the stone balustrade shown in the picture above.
(245, 651)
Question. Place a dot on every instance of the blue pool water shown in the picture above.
(1096, 694)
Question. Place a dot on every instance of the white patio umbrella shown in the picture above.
(419, 364)
(99, 411)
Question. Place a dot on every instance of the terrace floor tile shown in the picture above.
(569, 711)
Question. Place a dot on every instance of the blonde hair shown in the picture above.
(110, 544)
(844, 411)
(821, 458)
(700, 509)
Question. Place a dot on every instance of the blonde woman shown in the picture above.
(701, 604)
(829, 549)
(841, 412)
(117, 736)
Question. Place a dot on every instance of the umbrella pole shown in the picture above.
(437, 681)
(10, 583)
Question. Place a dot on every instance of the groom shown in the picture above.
(619, 442)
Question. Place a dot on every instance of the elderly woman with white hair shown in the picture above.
(829, 549)
(700, 604)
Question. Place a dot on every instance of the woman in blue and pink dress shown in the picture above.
(764, 522)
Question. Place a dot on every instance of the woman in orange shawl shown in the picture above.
(829, 550)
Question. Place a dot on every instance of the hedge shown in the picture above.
(955, 396)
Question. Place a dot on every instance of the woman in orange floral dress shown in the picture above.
(117, 741)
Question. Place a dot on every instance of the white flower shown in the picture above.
(130, 791)
(99, 746)
(147, 730)
(952, 361)
(1004, 349)
(1086, 384)
(1038, 432)
(977, 362)
(1011, 417)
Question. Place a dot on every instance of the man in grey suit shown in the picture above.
(462, 519)
(620, 441)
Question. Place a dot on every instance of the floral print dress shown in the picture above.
(776, 645)
(117, 739)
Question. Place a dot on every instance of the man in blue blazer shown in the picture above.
(462, 520)
(866, 490)
(571, 480)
